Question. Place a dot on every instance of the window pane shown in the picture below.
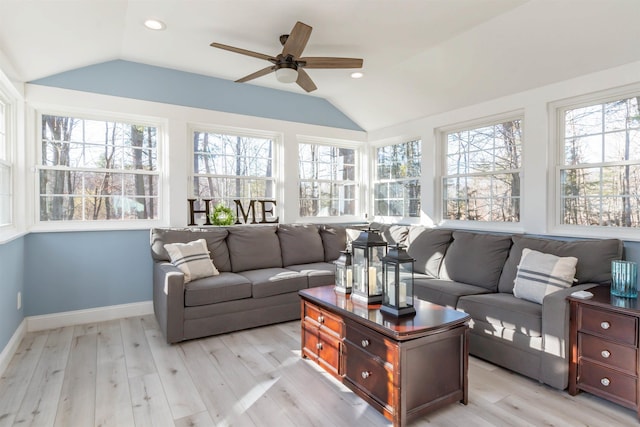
(396, 193)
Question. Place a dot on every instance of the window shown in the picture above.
(599, 171)
(5, 165)
(92, 170)
(482, 173)
(397, 180)
(233, 167)
(327, 180)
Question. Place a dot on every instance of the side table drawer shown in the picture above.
(610, 353)
(608, 382)
(369, 375)
(615, 326)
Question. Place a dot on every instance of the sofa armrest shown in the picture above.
(554, 364)
(168, 300)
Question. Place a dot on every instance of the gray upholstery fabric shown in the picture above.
(214, 289)
(334, 240)
(273, 281)
(300, 244)
(318, 273)
(214, 236)
(594, 258)
(504, 311)
(392, 233)
(428, 246)
(443, 292)
(476, 258)
(253, 247)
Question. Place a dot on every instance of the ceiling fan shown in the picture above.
(288, 65)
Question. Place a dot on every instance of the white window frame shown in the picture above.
(357, 181)
(442, 141)
(374, 180)
(276, 155)
(107, 116)
(556, 159)
(7, 115)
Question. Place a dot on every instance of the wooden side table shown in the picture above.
(604, 347)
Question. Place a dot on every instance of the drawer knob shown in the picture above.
(365, 343)
(605, 354)
(605, 381)
(320, 319)
(605, 325)
(319, 346)
(365, 375)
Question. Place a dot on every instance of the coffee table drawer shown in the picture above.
(604, 351)
(369, 341)
(614, 326)
(370, 375)
(323, 319)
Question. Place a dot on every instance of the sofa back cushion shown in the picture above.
(252, 247)
(334, 240)
(392, 233)
(428, 246)
(215, 238)
(594, 258)
(476, 259)
(300, 244)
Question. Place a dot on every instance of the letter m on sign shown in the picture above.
(245, 215)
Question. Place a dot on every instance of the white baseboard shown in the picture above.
(12, 346)
(79, 317)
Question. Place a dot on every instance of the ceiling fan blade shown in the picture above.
(257, 74)
(328, 62)
(297, 40)
(243, 51)
(305, 82)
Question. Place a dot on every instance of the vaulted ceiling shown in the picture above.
(421, 57)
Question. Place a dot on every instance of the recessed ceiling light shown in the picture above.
(357, 75)
(154, 24)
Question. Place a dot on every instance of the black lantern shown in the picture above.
(397, 271)
(368, 250)
(344, 272)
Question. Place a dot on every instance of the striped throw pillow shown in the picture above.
(541, 274)
(192, 259)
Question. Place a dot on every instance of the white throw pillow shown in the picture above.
(541, 274)
(192, 259)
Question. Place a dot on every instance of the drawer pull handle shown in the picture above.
(320, 319)
(365, 343)
(365, 375)
(605, 325)
(605, 381)
(319, 346)
(605, 353)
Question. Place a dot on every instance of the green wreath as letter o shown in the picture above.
(222, 215)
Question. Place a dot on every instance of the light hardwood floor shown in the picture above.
(122, 373)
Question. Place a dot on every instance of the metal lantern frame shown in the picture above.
(397, 286)
(368, 250)
(344, 272)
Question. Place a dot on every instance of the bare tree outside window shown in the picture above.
(600, 168)
(232, 167)
(397, 179)
(482, 178)
(327, 180)
(93, 170)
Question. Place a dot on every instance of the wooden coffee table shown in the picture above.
(404, 367)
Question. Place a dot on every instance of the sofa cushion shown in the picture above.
(300, 244)
(428, 246)
(504, 311)
(215, 237)
(274, 281)
(215, 289)
(318, 273)
(334, 240)
(444, 292)
(392, 233)
(192, 259)
(253, 247)
(594, 258)
(476, 258)
(540, 274)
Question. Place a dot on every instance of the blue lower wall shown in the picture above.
(78, 270)
(11, 282)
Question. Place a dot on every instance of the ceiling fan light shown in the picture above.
(286, 75)
(155, 24)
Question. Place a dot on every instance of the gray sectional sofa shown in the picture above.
(263, 267)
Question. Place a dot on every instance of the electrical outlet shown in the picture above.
(19, 300)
